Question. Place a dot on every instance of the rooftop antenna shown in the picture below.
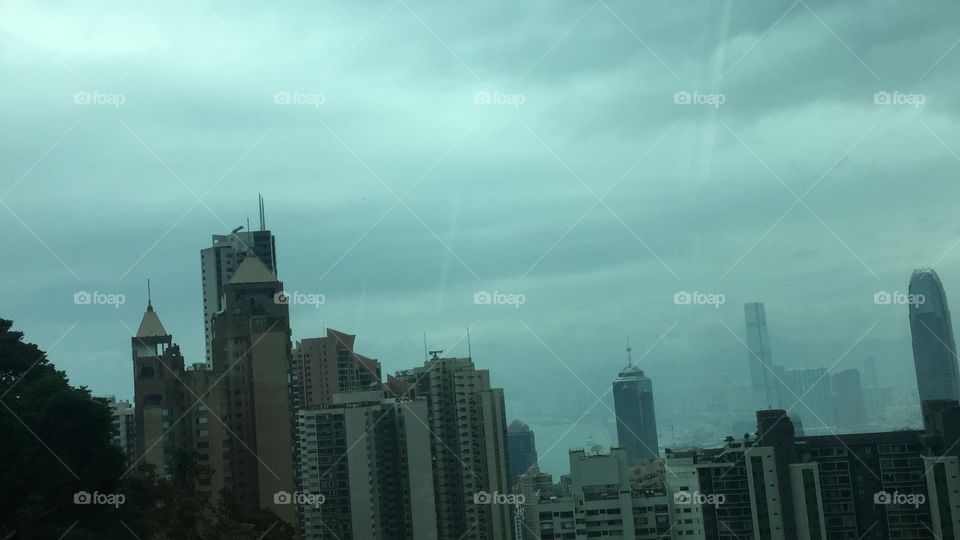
(425, 355)
(469, 350)
(629, 350)
(435, 355)
(248, 223)
(149, 299)
(263, 222)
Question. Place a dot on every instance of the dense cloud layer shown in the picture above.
(582, 185)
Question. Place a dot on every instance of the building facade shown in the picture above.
(934, 349)
(468, 444)
(636, 417)
(521, 450)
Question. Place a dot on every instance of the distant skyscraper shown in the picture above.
(469, 428)
(220, 261)
(848, 396)
(810, 398)
(763, 383)
(522, 449)
(934, 350)
(871, 378)
(636, 418)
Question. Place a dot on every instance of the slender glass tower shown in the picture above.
(636, 418)
(934, 350)
(764, 385)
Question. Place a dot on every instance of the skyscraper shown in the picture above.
(522, 449)
(934, 350)
(221, 260)
(763, 382)
(810, 398)
(328, 365)
(469, 428)
(848, 397)
(636, 418)
(369, 456)
(124, 427)
(251, 348)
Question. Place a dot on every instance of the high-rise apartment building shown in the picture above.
(468, 445)
(369, 457)
(521, 448)
(124, 427)
(219, 262)
(934, 349)
(325, 366)
(252, 350)
(636, 417)
(236, 414)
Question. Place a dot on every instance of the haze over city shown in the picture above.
(562, 180)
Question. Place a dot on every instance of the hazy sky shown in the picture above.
(414, 153)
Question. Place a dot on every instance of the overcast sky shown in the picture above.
(594, 157)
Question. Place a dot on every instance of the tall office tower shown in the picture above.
(636, 418)
(871, 378)
(934, 350)
(469, 427)
(327, 365)
(124, 427)
(810, 398)
(763, 381)
(851, 410)
(521, 449)
(369, 457)
(221, 260)
(251, 348)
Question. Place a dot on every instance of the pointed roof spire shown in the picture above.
(251, 270)
(150, 325)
